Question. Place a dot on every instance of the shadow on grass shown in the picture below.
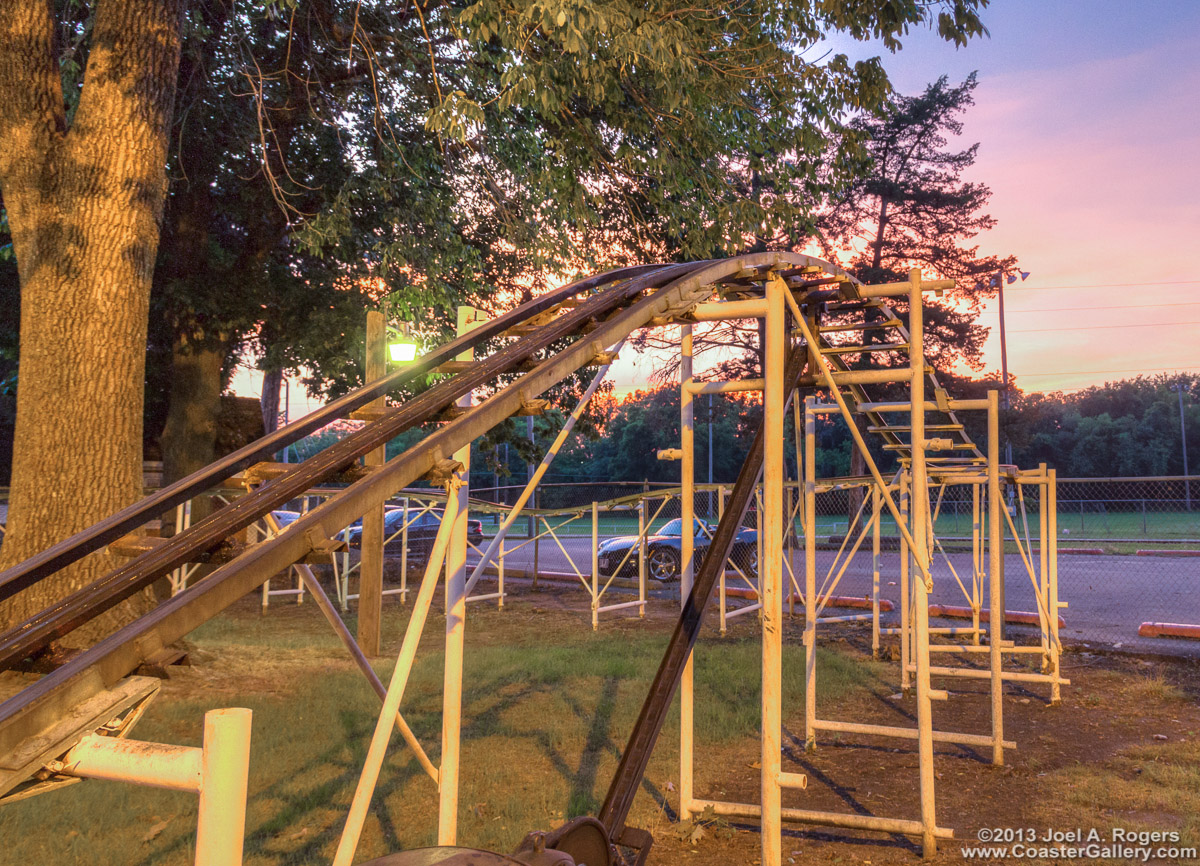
(560, 714)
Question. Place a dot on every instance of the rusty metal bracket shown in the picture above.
(531, 406)
(443, 471)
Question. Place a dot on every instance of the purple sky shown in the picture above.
(1089, 129)
(1087, 117)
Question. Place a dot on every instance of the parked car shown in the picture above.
(664, 551)
(421, 531)
(283, 518)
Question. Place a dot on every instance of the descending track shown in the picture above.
(539, 343)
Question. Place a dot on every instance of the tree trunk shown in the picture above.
(272, 382)
(84, 206)
(190, 435)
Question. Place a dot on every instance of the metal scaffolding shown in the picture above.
(815, 317)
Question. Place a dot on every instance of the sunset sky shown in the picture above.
(1088, 118)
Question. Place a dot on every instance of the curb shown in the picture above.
(1017, 617)
(1169, 629)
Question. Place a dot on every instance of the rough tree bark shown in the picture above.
(84, 201)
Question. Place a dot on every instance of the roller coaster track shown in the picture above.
(535, 346)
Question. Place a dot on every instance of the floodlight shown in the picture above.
(402, 351)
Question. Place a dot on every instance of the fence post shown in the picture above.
(595, 565)
(404, 553)
(537, 499)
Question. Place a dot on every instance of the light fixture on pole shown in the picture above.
(402, 349)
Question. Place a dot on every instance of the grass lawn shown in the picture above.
(547, 708)
(548, 705)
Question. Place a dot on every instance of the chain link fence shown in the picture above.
(1129, 548)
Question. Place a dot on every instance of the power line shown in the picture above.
(1177, 368)
(1099, 327)
(1114, 307)
(1104, 285)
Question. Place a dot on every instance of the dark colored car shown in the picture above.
(664, 551)
(283, 518)
(421, 531)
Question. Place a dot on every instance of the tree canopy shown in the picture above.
(906, 205)
(447, 149)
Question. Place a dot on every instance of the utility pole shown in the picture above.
(1004, 370)
(1179, 388)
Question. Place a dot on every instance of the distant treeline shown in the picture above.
(1126, 428)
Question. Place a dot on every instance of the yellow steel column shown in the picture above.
(595, 565)
(1052, 607)
(721, 588)
(687, 505)
(370, 569)
(875, 517)
(810, 574)
(976, 562)
(456, 618)
(641, 560)
(357, 816)
(1043, 560)
(995, 576)
(771, 574)
(905, 587)
(920, 534)
(789, 534)
(404, 554)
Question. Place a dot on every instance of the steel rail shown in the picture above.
(69, 613)
(102, 665)
(634, 759)
(30, 571)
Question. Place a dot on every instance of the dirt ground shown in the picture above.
(1114, 704)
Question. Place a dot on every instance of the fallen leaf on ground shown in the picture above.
(153, 832)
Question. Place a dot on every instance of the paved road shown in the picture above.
(1108, 596)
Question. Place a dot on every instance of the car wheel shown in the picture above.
(747, 560)
(663, 564)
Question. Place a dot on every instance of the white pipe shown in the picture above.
(225, 768)
(715, 312)
(725, 387)
(395, 693)
(827, 819)
(898, 290)
(156, 765)
(217, 771)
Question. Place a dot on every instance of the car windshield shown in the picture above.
(675, 527)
